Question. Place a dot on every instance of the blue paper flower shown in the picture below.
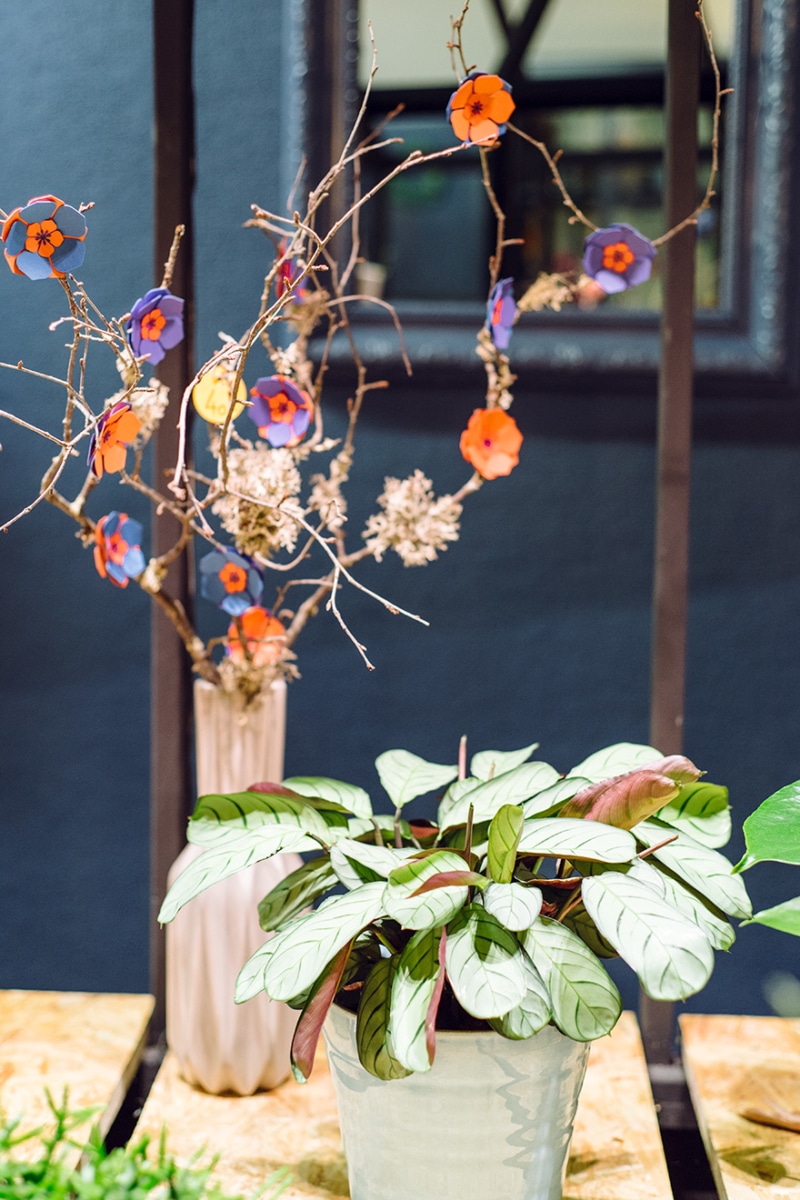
(501, 312)
(281, 410)
(618, 257)
(231, 581)
(44, 240)
(117, 553)
(156, 324)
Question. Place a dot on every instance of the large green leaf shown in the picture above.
(359, 862)
(353, 798)
(312, 1018)
(615, 760)
(513, 904)
(566, 837)
(431, 909)
(554, 796)
(218, 819)
(301, 949)
(785, 917)
(705, 870)
(532, 1013)
(485, 964)
(702, 811)
(512, 788)
(405, 776)
(295, 892)
(717, 929)
(504, 834)
(585, 1000)
(210, 867)
(372, 1024)
(669, 953)
(486, 764)
(772, 832)
(415, 990)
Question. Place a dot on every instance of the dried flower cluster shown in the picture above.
(414, 523)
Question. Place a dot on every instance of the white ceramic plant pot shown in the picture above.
(492, 1119)
(222, 1046)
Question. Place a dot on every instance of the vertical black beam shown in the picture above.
(675, 386)
(170, 713)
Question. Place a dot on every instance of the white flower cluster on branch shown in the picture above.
(262, 524)
(414, 523)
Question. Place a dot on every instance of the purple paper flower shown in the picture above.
(281, 410)
(44, 240)
(156, 324)
(117, 553)
(230, 581)
(501, 311)
(618, 257)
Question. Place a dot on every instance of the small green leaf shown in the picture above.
(485, 964)
(359, 862)
(615, 760)
(706, 871)
(785, 917)
(295, 892)
(772, 832)
(372, 1023)
(418, 977)
(405, 776)
(487, 764)
(567, 837)
(433, 908)
(586, 1003)
(531, 1014)
(513, 904)
(504, 834)
(512, 788)
(353, 798)
(702, 811)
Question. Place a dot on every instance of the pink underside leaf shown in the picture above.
(625, 800)
(312, 1018)
(433, 1007)
(451, 879)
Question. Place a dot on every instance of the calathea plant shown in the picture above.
(500, 913)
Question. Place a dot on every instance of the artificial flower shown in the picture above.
(281, 410)
(117, 553)
(230, 581)
(491, 442)
(156, 324)
(501, 312)
(288, 271)
(211, 395)
(115, 430)
(618, 257)
(479, 108)
(264, 636)
(44, 240)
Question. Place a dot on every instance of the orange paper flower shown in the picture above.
(491, 442)
(264, 637)
(116, 429)
(479, 108)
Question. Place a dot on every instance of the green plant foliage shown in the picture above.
(350, 797)
(505, 831)
(785, 917)
(772, 832)
(405, 776)
(488, 763)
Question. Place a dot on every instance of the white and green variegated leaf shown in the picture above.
(353, 798)
(485, 964)
(513, 904)
(670, 954)
(719, 932)
(359, 862)
(432, 908)
(295, 892)
(705, 870)
(405, 776)
(358, 826)
(250, 980)
(487, 764)
(301, 949)
(615, 760)
(254, 845)
(567, 837)
(512, 788)
(218, 819)
(458, 789)
(415, 982)
(373, 1038)
(585, 1000)
(504, 834)
(557, 793)
(702, 811)
(531, 1014)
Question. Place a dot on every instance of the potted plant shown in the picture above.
(457, 965)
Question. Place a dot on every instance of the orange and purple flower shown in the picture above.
(115, 430)
(264, 636)
(156, 324)
(281, 410)
(45, 239)
(231, 581)
(618, 257)
(501, 312)
(479, 108)
(117, 553)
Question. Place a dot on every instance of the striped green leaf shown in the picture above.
(405, 776)
(350, 797)
(458, 788)
(295, 892)
(485, 964)
(670, 954)
(615, 760)
(432, 908)
(531, 1014)
(702, 811)
(585, 1000)
(555, 796)
(253, 845)
(504, 835)
(487, 764)
(250, 980)
(512, 788)
(415, 992)
(513, 904)
(372, 1023)
(719, 931)
(359, 862)
(705, 870)
(566, 837)
(785, 917)
(219, 819)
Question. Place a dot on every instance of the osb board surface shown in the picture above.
(731, 1064)
(90, 1044)
(616, 1151)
